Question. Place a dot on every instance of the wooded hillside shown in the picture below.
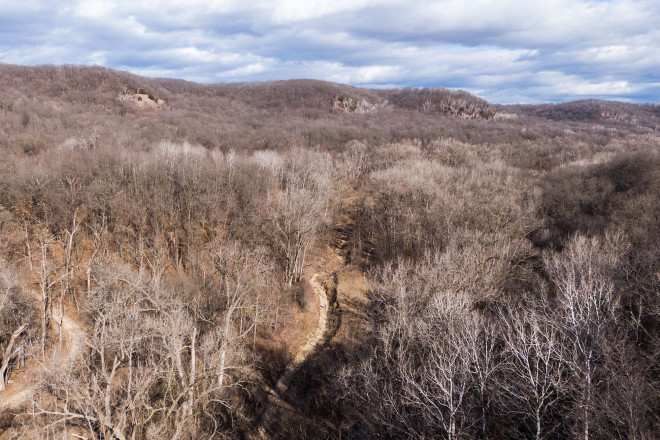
(302, 259)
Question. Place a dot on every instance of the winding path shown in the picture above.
(338, 260)
(314, 339)
(22, 387)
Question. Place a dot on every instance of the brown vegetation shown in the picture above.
(162, 267)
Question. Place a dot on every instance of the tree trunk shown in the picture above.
(27, 244)
(223, 349)
(44, 328)
(191, 382)
(223, 357)
(484, 413)
(9, 355)
(587, 401)
(452, 427)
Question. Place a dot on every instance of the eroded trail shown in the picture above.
(314, 339)
(22, 386)
(333, 265)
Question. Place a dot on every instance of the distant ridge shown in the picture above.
(77, 81)
(46, 106)
(74, 81)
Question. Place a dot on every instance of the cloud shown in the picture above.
(505, 51)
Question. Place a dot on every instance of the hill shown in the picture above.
(57, 104)
(303, 259)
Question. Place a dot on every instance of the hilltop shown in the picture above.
(47, 105)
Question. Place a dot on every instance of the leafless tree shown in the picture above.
(628, 401)
(535, 376)
(438, 385)
(588, 308)
(242, 273)
(298, 209)
(433, 348)
(146, 374)
(486, 363)
(48, 278)
(16, 318)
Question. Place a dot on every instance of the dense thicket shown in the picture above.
(507, 304)
(155, 261)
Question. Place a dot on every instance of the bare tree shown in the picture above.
(629, 401)
(99, 248)
(438, 384)
(47, 280)
(535, 371)
(298, 209)
(141, 377)
(10, 353)
(16, 318)
(486, 362)
(242, 273)
(588, 309)
(69, 248)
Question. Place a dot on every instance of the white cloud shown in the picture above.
(288, 11)
(506, 50)
(93, 9)
(240, 72)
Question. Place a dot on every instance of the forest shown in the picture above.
(303, 259)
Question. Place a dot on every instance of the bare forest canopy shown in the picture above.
(303, 259)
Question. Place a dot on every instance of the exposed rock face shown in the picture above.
(142, 100)
(349, 105)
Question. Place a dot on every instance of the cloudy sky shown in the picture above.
(505, 51)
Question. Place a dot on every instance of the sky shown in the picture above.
(505, 51)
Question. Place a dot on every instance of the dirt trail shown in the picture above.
(74, 337)
(22, 385)
(314, 339)
(331, 266)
